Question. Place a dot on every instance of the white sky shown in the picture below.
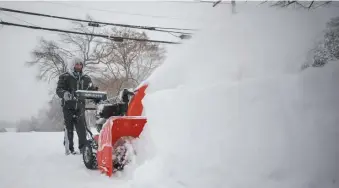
(21, 95)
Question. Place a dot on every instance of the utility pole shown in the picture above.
(216, 3)
(233, 6)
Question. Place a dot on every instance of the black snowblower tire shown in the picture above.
(89, 157)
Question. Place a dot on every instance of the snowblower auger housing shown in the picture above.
(118, 132)
(109, 151)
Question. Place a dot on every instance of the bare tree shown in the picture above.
(317, 57)
(51, 57)
(110, 85)
(332, 37)
(131, 61)
(298, 4)
(88, 47)
(327, 49)
(282, 4)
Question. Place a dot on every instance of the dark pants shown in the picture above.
(124, 108)
(75, 119)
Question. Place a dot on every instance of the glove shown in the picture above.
(67, 96)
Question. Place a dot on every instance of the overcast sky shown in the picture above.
(22, 96)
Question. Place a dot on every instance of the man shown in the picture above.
(125, 97)
(74, 114)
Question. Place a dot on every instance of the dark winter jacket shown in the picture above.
(71, 83)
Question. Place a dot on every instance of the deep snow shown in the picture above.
(269, 132)
(229, 108)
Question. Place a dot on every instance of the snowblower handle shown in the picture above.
(88, 94)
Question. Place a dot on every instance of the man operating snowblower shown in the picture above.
(74, 110)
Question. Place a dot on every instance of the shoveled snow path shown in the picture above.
(31, 160)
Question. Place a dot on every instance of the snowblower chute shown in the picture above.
(109, 151)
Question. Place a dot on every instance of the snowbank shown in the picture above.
(231, 109)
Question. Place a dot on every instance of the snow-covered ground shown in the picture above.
(230, 108)
(31, 160)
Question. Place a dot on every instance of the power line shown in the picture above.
(112, 11)
(136, 14)
(160, 29)
(117, 39)
(17, 18)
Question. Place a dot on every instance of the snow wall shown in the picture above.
(231, 108)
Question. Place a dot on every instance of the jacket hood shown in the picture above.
(71, 63)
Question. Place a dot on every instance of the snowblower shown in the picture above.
(118, 124)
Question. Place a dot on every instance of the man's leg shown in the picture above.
(81, 130)
(66, 142)
(69, 129)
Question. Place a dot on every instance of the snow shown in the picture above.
(91, 92)
(37, 160)
(276, 132)
(229, 108)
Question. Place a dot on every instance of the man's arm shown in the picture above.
(130, 92)
(60, 90)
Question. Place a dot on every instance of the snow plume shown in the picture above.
(231, 109)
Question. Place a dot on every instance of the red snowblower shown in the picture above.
(118, 124)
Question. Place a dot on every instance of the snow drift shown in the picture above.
(230, 108)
